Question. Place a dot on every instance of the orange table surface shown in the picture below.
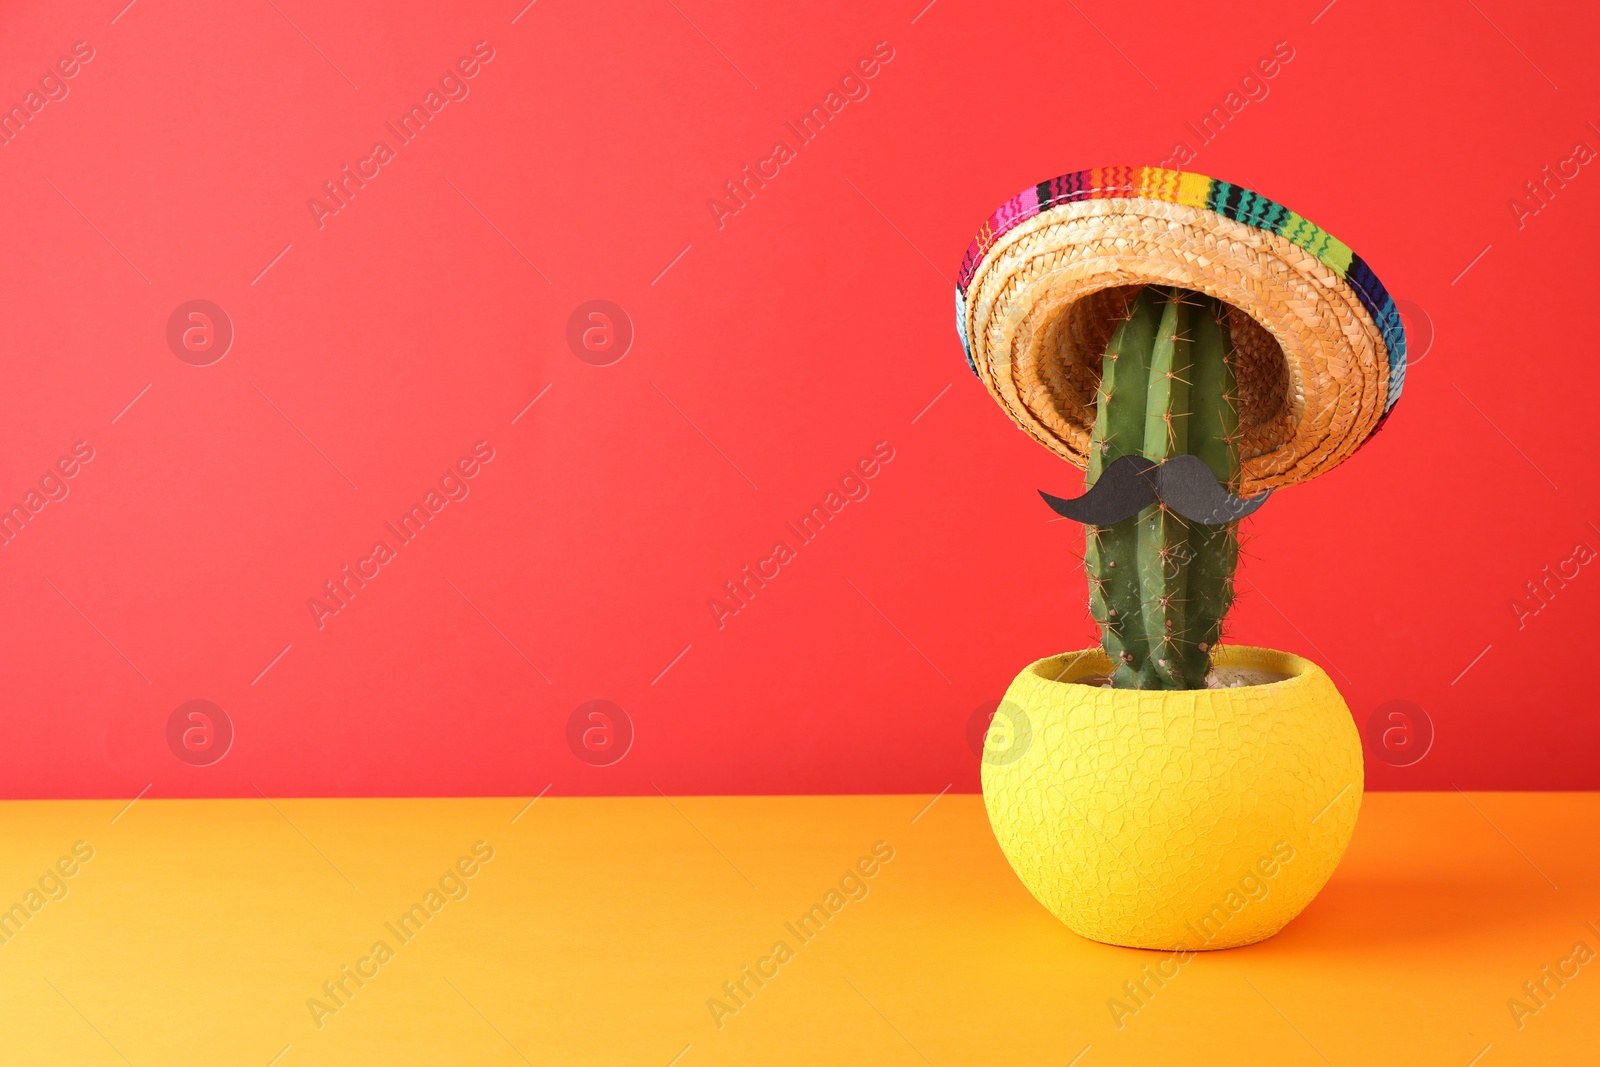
(603, 931)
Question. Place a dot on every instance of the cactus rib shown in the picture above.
(1160, 585)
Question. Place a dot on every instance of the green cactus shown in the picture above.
(1160, 585)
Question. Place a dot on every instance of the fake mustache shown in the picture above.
(1132, 483)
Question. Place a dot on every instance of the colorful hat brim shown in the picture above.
(1319, 344)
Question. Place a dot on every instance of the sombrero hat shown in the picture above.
(1319, 351)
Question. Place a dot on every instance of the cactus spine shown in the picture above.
(1160, 585)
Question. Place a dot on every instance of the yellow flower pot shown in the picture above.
(1173, 819)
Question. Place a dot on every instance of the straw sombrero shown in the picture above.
(1320, 354)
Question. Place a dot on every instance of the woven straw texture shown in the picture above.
(1318, 348)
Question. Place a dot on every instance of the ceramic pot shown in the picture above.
(1173, 819)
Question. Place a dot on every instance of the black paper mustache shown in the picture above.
(1132, 483)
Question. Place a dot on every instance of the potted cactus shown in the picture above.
(1194, 347)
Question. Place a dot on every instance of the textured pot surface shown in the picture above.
(1173, 819)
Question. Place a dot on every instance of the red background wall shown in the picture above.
(770, 353)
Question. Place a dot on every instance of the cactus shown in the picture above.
(1160, 585)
